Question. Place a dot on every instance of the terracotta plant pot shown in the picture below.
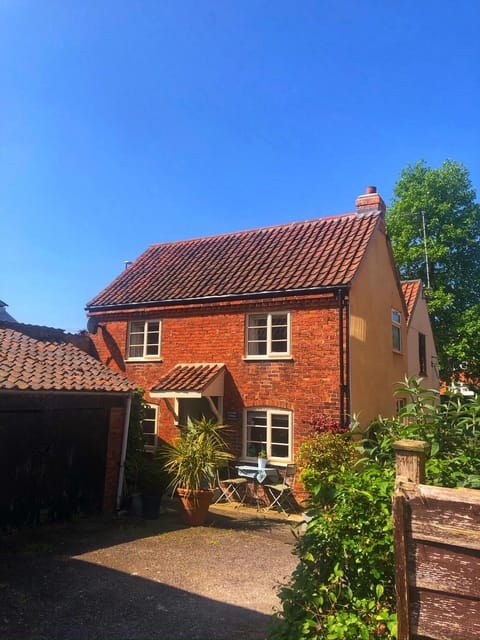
(195, 505)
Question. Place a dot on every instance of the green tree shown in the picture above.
(442, 202)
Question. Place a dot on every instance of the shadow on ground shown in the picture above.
(34, 605)
(83, 534)
(131, 578)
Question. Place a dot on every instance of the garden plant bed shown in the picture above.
(127, 577)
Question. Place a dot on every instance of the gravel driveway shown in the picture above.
(131, 578)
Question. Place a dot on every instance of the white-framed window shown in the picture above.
(270, 430)
(149, 425)
(396, 330)
(144, 337)
(268, 335)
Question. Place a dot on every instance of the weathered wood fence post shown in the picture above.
(437, 553)
(410, 460)
(410, 467)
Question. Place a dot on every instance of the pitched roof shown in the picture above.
(297, 257)
(42, 359)
(189, 378)
(411, 289)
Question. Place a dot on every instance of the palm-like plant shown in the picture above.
(193, 458)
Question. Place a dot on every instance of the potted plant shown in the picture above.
(262, 459)
(192, 461)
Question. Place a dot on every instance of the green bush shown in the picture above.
(343, 586)
(322, 456)
(135, 443)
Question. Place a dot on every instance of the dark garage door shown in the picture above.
(52, 464)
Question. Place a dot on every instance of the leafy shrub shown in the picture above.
(324, 453)
(451, 426)
(322, 456)
(135, 442)
(343, 586)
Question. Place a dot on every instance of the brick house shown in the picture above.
(261, 328)
(63, 417)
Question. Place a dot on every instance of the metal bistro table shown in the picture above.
(258, 476)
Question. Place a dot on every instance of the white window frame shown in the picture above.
(156, 409)
(396, 327)
(145, 345)
(269, 411)
(269, 355)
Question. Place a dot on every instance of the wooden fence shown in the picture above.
(437, 553)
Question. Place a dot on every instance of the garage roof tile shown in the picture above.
(42, 359)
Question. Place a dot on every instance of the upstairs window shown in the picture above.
(144, 340)
(396, 330)
(268, 335)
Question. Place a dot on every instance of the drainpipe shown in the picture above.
(348, 406)
(343, 359)
(121, 474)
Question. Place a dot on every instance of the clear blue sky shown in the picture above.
(126, 123)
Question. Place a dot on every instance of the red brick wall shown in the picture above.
(307, 383)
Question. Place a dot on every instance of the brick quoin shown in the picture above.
(306, 384)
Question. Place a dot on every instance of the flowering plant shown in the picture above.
(321, 423)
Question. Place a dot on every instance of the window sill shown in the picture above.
(138, 360)
(270, 463)
(267, 358)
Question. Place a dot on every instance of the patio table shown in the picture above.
(257, 475)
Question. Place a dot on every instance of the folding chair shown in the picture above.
(281, 493)
(231, 487)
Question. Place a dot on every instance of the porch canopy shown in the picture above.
(199, 380)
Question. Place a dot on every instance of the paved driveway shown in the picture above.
(130, 578)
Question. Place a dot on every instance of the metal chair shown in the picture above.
(230, 487)
(281, 493)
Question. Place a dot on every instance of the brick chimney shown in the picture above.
(370, 202)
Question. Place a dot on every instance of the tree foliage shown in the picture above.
(447, 200)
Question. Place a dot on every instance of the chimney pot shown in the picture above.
(370, 202)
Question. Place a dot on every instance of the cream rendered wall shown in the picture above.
(374, 367)
(420, 323)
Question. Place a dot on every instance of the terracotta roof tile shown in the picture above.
(31, 362)
(189, 377)
(301, 256)
(411, 290)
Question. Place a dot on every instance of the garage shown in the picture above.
(63, 424)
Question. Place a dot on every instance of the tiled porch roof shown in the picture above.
(41, 359)
(188, 378)
(296, 257)
(411, 290)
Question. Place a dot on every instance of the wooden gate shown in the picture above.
(437, 553)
